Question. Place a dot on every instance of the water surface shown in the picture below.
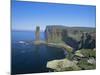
(30, 58)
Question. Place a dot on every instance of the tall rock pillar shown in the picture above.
(37, 33)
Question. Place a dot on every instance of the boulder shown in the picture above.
(62, 65)
(78, 53)
(91, 61)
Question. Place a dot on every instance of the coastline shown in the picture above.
(59, 45)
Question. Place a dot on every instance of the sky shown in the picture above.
(28, 15)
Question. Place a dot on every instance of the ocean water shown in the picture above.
(25, 36)
(29, 58)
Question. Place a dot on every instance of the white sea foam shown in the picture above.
(22, 42)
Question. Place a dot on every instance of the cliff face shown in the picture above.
(53, 34)
(76, 37)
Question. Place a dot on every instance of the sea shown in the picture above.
(29, 58)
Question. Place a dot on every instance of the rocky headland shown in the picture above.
(79, 42)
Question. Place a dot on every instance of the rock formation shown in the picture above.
(62, 65)
(76, 37)
(37, 33)
(81, 39)
(53, 34)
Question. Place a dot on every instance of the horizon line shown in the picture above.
(49, 25)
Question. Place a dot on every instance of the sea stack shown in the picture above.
(37, 33)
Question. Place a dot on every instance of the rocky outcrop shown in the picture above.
(62, 65)
(84, 59)
(76, 37)
(91, 61)
(78, 53)
(88, 40)
(53, 34)
(61, 45)
(81, 39)
(37, 33)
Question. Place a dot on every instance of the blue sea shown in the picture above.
(29, 58)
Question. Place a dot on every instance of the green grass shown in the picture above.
(84, 65)
(88, 53)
